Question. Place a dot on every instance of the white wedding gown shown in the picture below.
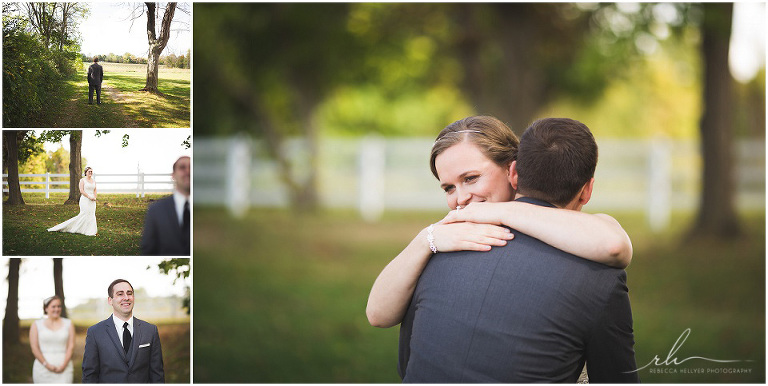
(85, 221)
(53, 345)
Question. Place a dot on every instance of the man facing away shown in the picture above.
(95, 76)
(167, 222)
(122, 348)
(524, 312)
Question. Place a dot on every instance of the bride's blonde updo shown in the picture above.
(495, 139)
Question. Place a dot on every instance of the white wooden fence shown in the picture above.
(373, 174)
(138, 183)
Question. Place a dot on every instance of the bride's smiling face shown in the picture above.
(467, 175)
(53, 310)
(89, 173)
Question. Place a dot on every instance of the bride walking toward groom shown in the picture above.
(85, 221)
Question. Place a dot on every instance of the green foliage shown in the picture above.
(301, 283)
(33, 64)
(57, 161)
(412, 68)
(282, 59)
(637, 104)
(29, 77)
(181, 268)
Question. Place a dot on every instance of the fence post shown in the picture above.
(372, 174)
(47, 185)
(238, 180)
(659, 192)
(138, 181)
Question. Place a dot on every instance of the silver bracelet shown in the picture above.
(431, 238)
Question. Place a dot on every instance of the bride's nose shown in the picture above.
(464, 197)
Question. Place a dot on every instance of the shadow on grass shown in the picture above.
(171, 109)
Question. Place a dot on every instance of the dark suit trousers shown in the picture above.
(91, 88)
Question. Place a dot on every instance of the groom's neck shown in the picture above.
(124, 318)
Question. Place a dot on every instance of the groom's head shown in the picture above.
(556, 162)
(121, 298)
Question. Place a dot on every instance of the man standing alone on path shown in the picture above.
(95, 76)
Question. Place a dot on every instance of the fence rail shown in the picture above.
(138, 183)
(374, 174)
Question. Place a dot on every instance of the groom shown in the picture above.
(525, 312)
(122, 348)
(167, 222)
(95, 77)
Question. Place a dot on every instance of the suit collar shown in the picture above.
(535, 201)
(109, 325)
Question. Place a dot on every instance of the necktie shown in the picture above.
(126, 337)
(185, 218)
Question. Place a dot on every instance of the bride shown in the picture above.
(52, 340)
(85, 221)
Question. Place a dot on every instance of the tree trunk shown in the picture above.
(58, 283)
(11, 141)
(156, 43)
(717, 211)
(496, 74)
(305, 198)
(66, 9)
(11, 320)
(75, 166)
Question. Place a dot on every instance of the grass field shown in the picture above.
(123, 105)
(120, 219)
(18, 359)
(283, 298)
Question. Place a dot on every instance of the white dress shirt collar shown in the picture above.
(119, 326)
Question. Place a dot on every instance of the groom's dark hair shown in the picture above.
(556, 158)
(111, 288)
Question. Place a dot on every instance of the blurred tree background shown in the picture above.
(278, 71)
(41, 46)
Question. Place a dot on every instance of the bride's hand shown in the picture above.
(467, 236)
(476, 212)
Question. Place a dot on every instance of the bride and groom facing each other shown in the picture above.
(552, 294)
(120, 349)
(166, 224)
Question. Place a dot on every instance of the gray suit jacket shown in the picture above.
(525, 312)
(105, 361)
(162, 234)
(95, 74)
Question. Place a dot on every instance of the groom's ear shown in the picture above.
(586, 192)
(512, 175)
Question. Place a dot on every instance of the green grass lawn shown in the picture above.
(120, 219)
(282, 297)
(123, 105)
